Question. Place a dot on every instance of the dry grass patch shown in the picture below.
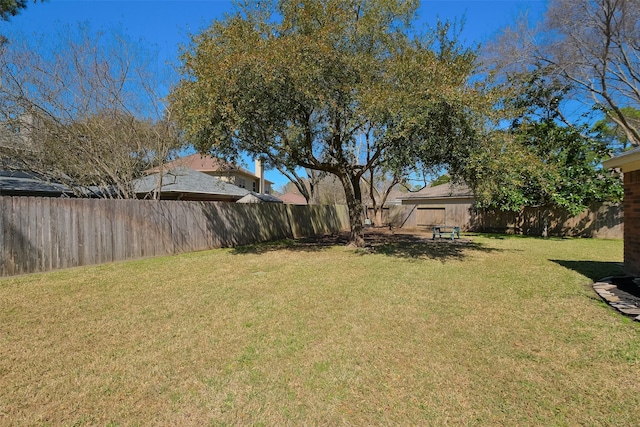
(492, 331)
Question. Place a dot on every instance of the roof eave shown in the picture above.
(627, 162)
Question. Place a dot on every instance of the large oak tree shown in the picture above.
(298, 83)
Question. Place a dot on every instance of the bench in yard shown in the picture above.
(452, 230)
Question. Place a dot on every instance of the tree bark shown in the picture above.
(353, 195)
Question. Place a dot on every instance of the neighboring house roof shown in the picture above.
(627, 161)
(253, 197)
(209, 165)
(17, 183)
(395, 197)
(201, 163)
(392, 199)
(293, 199)
(447, 191)
(185, 183)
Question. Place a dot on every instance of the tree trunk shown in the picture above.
(378, 216)
(353, 195)
(545, 223)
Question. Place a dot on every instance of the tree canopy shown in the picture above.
(592, 46)
(9, 8)
(571, 95)
(539, 160)
(334, 86)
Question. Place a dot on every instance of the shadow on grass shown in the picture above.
(401, 245)
(308, 244)
(422, 246)
(594, 270)
(502, 236)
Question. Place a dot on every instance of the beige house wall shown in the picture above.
(245, 181)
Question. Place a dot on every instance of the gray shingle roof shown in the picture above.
(186, 180)
(25, 184)
(253, 197)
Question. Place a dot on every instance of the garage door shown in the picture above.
(431, 216)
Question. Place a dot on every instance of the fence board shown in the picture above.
(74, 237)
(90, 239)
(64, 232)
(7, 227)
(53, 243)
(17, 237)
(34, 248)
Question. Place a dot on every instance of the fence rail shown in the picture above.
(42, 234)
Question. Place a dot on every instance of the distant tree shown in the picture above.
(330, 191)
(591, 46)
(321, 188)
(298, 82)
(85, 113)
(304, 185)
(378, 181)
(379, 186)
(440, 180)
(104, 153)
(287, 187)
(544, 165)
(613, 134)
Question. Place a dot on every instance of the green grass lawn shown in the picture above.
(501, 331)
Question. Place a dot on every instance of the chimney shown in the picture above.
(260, 174)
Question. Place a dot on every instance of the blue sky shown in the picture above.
(166, 24)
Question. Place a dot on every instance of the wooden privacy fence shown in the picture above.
(41, 234)
(600, 220)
